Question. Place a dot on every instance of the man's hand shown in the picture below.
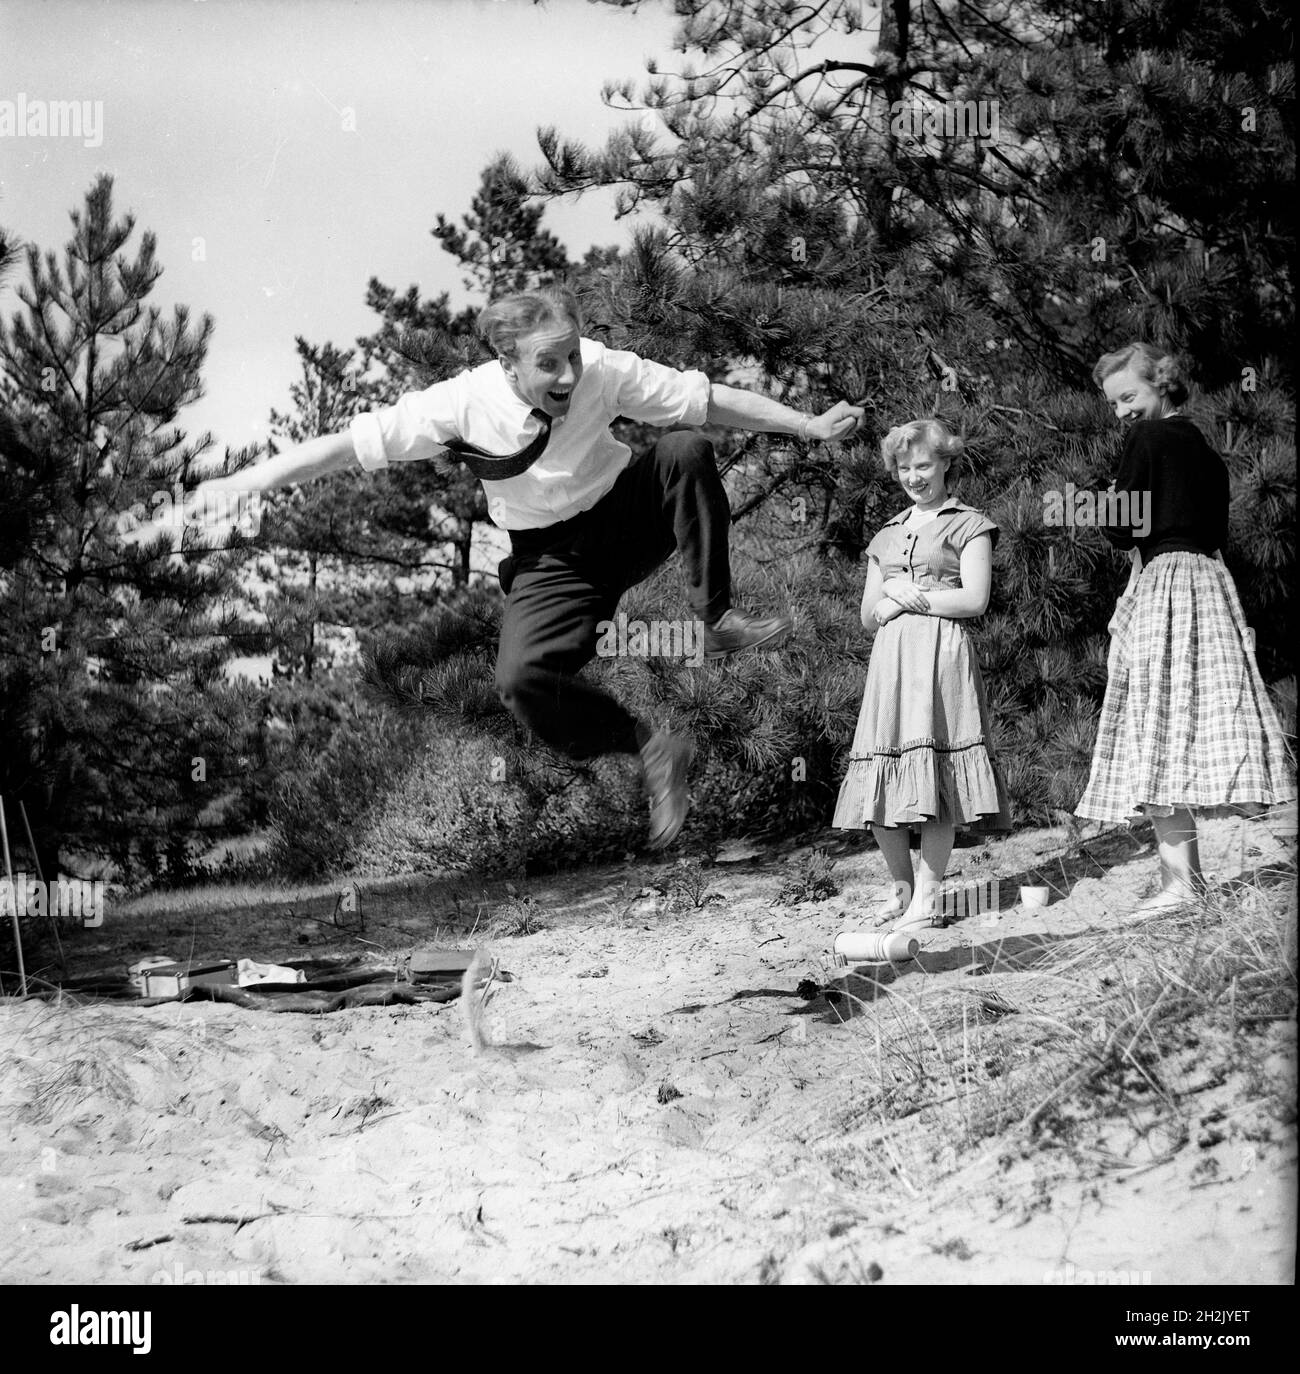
(729, 405)
(840, 422)
(203, 518)
(907, 594)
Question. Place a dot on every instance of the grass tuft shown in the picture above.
(1115, 1035)
(811, 880)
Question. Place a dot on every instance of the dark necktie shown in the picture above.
(488, 467)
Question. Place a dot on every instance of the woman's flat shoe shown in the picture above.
(886, 912)
(919, 920)
(1163, 903)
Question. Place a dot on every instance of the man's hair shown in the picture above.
(1163, 371)
(503, 323)
(931, 435)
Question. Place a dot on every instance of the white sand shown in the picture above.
(372, 1145)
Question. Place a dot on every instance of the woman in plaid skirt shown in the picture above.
(1186, 726)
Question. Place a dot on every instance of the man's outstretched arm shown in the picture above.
(737, 409)
(301, 463)
(210, 505)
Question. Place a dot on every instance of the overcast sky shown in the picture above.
(227, 121)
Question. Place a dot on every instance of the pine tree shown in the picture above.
(1133, 179)
(119, 728)
(419, 343)
(346, 549)
(503, 245)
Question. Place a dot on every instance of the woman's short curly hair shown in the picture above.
(931, 435)
(1163, 371)
(503, 323)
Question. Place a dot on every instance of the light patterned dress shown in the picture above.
(923, 747)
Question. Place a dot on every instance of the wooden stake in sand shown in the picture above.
(9, 873)
(40, 878)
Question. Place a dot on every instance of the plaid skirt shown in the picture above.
(1186, 721)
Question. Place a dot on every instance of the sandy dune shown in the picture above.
(657, 1104)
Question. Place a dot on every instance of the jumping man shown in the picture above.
(586, 520)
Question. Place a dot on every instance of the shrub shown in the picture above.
(317, 808)
(457, 807)
(810, 881)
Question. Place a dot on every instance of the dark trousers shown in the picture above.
(562, 581)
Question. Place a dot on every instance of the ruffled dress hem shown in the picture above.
(921, 781)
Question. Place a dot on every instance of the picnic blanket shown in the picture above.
(326, 985)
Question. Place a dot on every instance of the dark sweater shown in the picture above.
(1182, 485)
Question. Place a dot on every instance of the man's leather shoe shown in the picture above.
(666, 759)
(735, 630)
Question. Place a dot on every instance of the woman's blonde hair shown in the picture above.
(931, 435)
(503, 323)
(1163, 371)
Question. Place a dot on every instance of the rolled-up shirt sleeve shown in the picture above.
(655, 394)
(416, 427)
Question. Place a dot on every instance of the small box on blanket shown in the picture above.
(439, 965)
(174, 980)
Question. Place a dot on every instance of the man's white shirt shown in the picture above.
(582, 459)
